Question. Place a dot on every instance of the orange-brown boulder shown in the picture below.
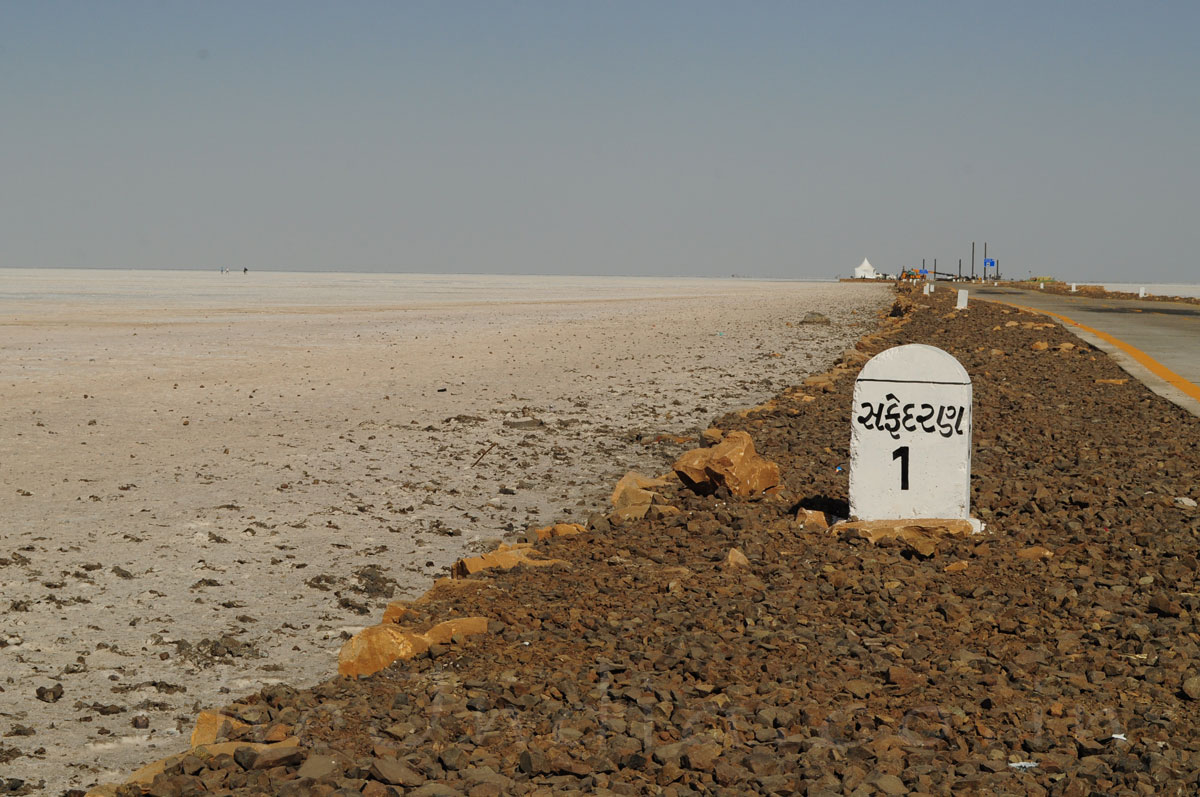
(920, 534)
(377, 647)
(557, 530)
(634, 489)
(397, 612)
(443, 632)
(212, 726)
(503, 558)
(692, 468)
(380, 646)
(733, 463)
(630, 512)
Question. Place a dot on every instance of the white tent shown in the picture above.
(866, 271)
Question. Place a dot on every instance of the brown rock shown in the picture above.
(146, 774)
(557, 530)
(660, 511)
(1111, 381)
(503, 558)
(1191, 687)
(820, 383)
(627, 514)
(956, 567)
(812, 519)
(736, 560)
(692, 467)
(732, 463)
(702, 756)
(395, 773)
(920, 534)
(711, 436)
(277, 733)
(1041, 345)
(1035, 552)
(859, 688)
(397, 612)
(443, 632)
(279, 755)
(1163, 605)
(212, 726)
(374, 788)
(635, 488)
(903, 677)
(853, 357)
(891, 785)
(377, 647)
(318, 766)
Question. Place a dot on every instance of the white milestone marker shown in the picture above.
(926, 291)
(910, 436)
(962, 301)
(1072, 287)
(1141, 293)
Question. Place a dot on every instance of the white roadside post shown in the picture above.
(926, 290)
(1141, 293)
(910, 437)
(962, 301)
(1073, 287)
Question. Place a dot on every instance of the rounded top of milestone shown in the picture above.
(914, 363)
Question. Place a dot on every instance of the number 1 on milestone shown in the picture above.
(901, 454)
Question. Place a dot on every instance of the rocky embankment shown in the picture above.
(1097, 292)
(731, 645)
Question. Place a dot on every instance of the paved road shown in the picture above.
(1162, 334)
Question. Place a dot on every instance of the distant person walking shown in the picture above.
(245, 270)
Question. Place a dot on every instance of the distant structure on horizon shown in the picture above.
(866, 271)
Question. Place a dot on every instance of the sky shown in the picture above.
(765, 139)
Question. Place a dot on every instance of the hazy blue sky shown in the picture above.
(763, 139)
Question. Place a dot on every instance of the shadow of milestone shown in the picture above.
(832, 507)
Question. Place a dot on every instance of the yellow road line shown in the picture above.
(1145, 360)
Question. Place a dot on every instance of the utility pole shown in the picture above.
(972, 261)
(960, 268)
